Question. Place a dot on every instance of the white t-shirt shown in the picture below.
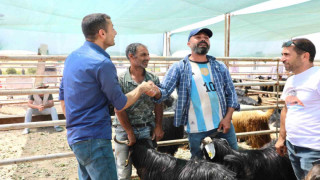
(302, 96)
(205, 111)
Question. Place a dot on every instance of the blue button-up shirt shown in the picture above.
(179, 76)
(89, 84)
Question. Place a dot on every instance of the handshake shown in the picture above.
(150, 89)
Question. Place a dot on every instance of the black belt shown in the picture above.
(141, 125)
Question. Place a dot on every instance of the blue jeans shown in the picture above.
(122, 150)
(95, 159)
(30, 112)
(301, 159)
(196, 138)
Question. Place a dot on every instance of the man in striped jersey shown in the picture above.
(206, 95)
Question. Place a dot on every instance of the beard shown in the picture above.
(144, 64)
(201, 50)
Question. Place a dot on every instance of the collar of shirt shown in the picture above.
(97, 48)
(128, 78)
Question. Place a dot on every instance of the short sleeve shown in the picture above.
(31, 97)
(50, 97)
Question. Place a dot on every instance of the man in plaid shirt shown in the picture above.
(206, 95)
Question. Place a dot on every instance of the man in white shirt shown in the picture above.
(41, 104)
(300, 117)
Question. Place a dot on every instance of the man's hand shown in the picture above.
(132, 139)
(146, 86)
(225, 124)
(281, 147)
(157, 133)
(40, 107)
(153, 92)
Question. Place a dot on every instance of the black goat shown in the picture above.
(243, 98)
(170, 104)
(241, 92)
(249, 101)
(170, 131)
(151, 164)
(275, 118)
(270, 87)
(262, 164)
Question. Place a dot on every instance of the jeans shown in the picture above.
(122, 150)
(95, 159)
(30, 111)
(196, 138)
(301, 159)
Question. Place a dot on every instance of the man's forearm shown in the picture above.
(49, 104)
(229, 113)
(30, 105)
(124, 121)
(63, 107)
(283, 115)
(158, 111)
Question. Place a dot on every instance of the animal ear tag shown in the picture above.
(210, 150)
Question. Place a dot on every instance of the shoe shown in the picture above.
(58, 128)
(26, 131)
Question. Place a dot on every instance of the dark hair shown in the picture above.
(132, 49)
(92, 23)
(302, 45)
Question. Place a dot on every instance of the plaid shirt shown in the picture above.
(179, 76)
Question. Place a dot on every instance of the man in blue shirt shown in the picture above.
(206, 95)
(89, 85)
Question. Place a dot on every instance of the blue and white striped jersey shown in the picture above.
(205, 111)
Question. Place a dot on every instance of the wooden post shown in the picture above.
(42, 50)
(227, 37)
(166, 44)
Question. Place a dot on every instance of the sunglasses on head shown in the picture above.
(288, 43)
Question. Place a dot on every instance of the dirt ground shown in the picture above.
(42, 141)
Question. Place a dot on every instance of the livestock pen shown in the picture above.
(158, 65)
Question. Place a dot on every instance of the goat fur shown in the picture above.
(151, 164)
(249, 101)
(170, 133)
(243, 98)
(259, 164)
(246, 121)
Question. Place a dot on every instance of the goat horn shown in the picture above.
(120, 142)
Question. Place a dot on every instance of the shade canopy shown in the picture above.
(128, 16)
(25, 24)
(261, 34)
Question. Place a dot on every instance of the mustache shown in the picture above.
(202, 42)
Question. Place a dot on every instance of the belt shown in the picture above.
(141, 125)
(137, 125)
